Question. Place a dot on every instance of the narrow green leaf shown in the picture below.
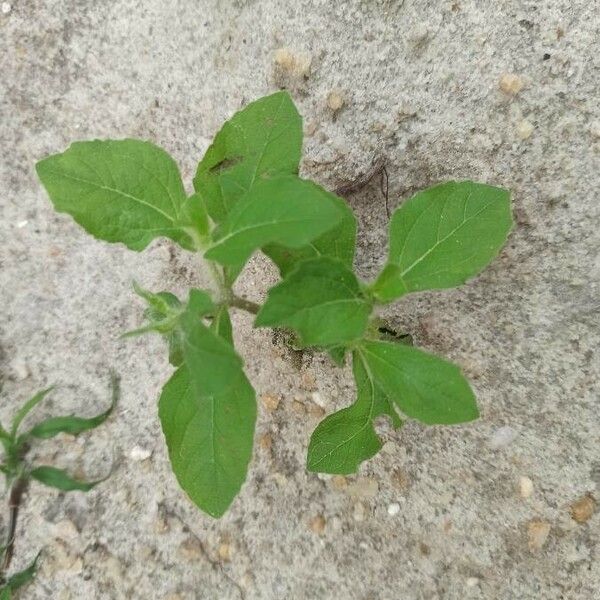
(286, 209)
(346, 438)
(262, 140)
(221, 324)
(72, 424)
(443, 236)
(207, 412)
(26, 409)
(423, 386)
(322, 300)
(59, 479)
(18, 580)
(125, 191)
(338, 243)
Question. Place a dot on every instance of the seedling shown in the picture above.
(249, 197)
(18, 473)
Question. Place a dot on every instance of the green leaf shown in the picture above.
(286, 209)
(194, 219)
(338, 355)
(423, 386)
(221, 324)
(18, 580)
(262, 140)
(322, 300)
(163, 313)
(338, 242)
(26, 409)
(72, 424)
(443, 236)
(125, 191)
(207, 412)
(5, 593)
(59, 479)
(346, 438)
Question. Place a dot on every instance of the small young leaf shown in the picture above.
(262, 140)
(286, 209)
(338, 355)
(443, 236)
(194, 218)
(423, 386)
(72, 424)
(163, 303)
(221, 324)
(125, 191)
(59, 479)
(207, 412)
(18, 580)
(164, 311)
(338, 243)
(346, 438)
(322, 300)
(26, 409)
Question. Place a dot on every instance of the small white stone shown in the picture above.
(318, 399)
(22, 224)
(359, 512)
(595, 129)
(138, 454)
(472, 581)
(65, 530)
(363, 487)
(20, 369)
(6, 8)
(393, 509)
(525, 487)
(502, 437)
(524, 129)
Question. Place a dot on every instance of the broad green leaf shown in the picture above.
(72, 424)
(286, 209)
(26, 409)
(125, 191)
(59, 479)
(207, 412)
(443, 236)
(338, 243)
(423, 386)
(18, 580)
(262, 140)
(322, 300)
(346, 438)
(221, 324)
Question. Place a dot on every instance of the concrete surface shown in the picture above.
(504, 92)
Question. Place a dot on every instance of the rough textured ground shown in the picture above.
(422, 86)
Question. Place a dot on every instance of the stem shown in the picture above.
(244, 304)
(14, 503)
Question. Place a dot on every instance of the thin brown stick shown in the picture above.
(14, 503)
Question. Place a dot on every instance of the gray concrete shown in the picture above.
(421, 82)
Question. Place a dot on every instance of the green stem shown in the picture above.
(244, 304)
(14, 503)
